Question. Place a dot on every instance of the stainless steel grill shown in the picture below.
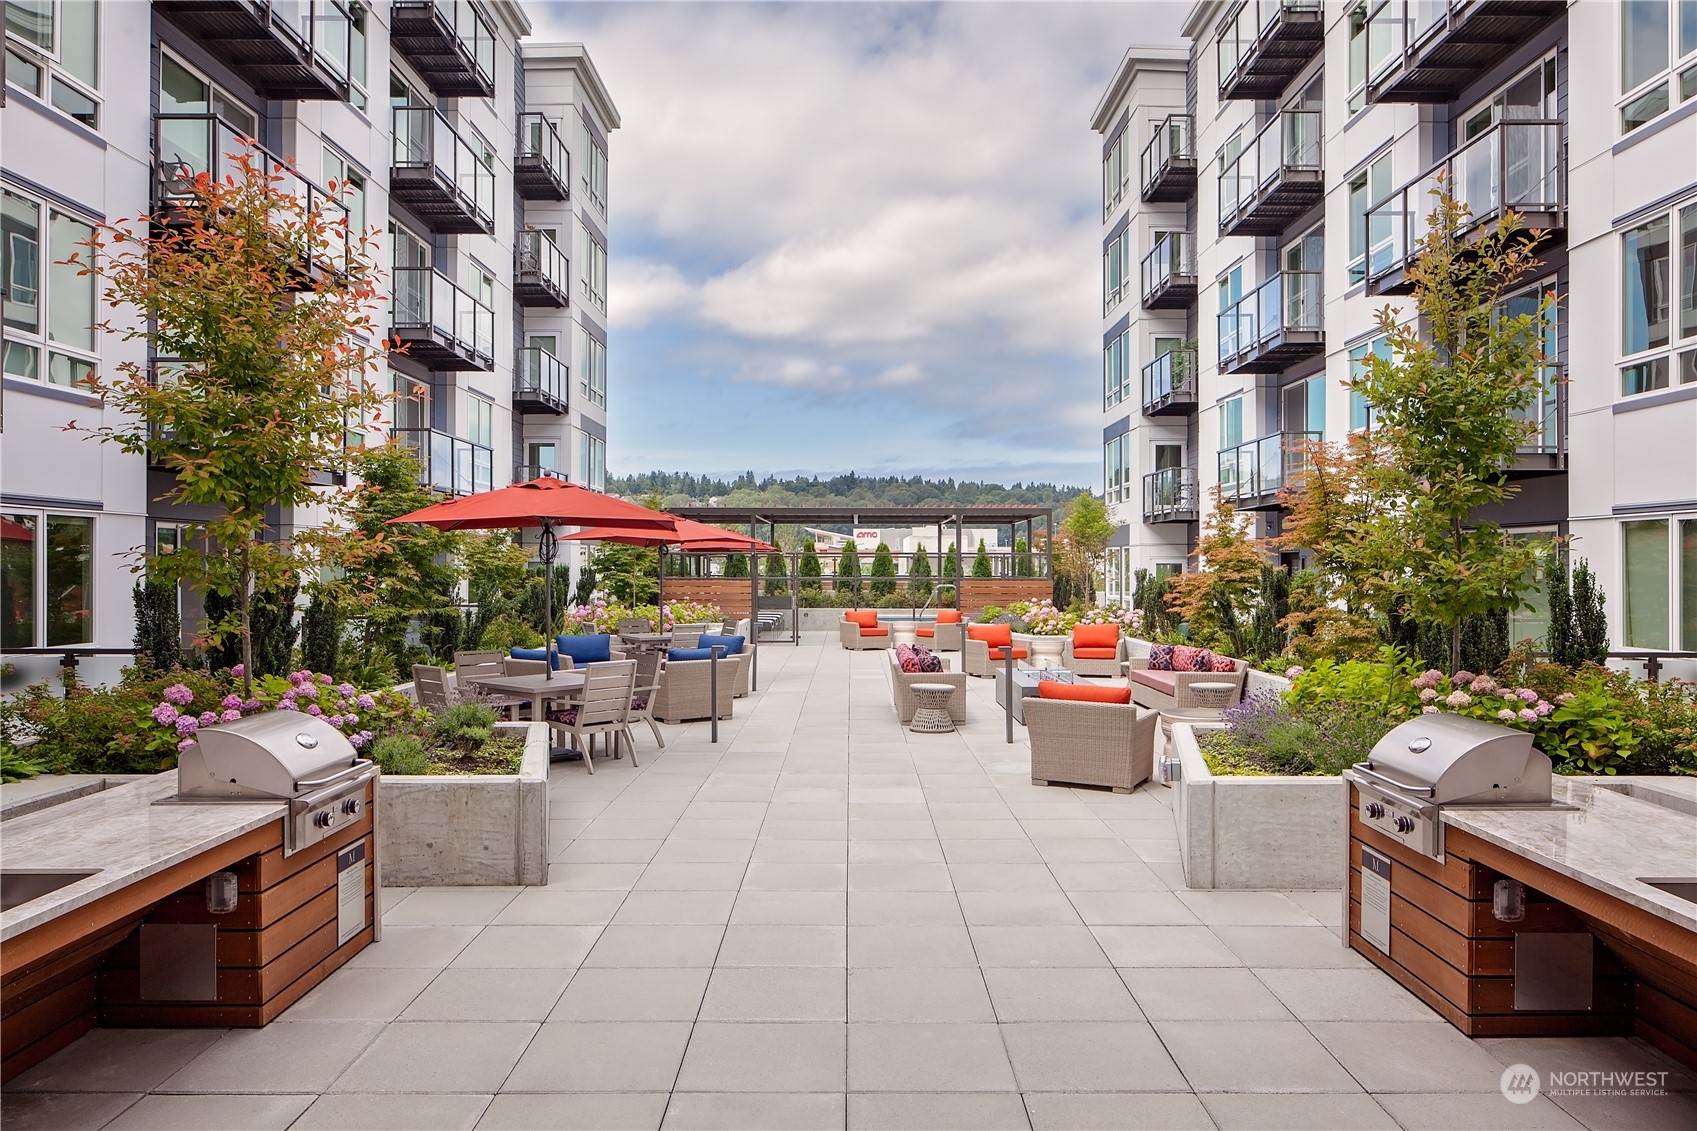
(1442, 760)
(288, 756)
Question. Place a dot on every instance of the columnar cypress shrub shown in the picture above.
(736, 565)
(321, 635)
(777, 573)
(159, 627)
(1559, 639)
(1021, 559)
(848, 571)
(883, 572)
(1590, 622)
(919, 575)
(981, 561)
(810, 570)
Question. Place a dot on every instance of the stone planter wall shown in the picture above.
(1288, 833)
(468, 829)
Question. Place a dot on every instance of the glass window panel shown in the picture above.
(31, 21)
(1643, 41)
(1645, 377)
(21, 360)
(1688, 584)
(181, 91)
(75, 103)
(68, 371)
(1687, 27)
(1644, 323)
(17, 580)
(69, 591)
(1651, 104)
(20, 261)
(1688, 368)
(79, 25)
(1646, 617)
(70, 315)
(1688, 271)
(23, 73)
(1231, 423)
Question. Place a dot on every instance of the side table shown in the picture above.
(931, 708)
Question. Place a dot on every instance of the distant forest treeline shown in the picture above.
(679, 488)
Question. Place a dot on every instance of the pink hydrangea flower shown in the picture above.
(308, 691)
(1430, 678)
(365, 702)
(325, 680)
(1428, 710)
(335, 721)
(1528, 695)
(1463, 677)
(351, 718)
(179, 694)
(1482, 685)
(230, 716)
(207, 718)
(187, 725)
(1459, 699)
(1506, 715)
(346, 690)
(184, 745)
(164, 714)
(1565, 697)
(1542, 709)
(314, 709)
(251, 704)
(1428, 695)
(232, 702)
(1528, 715)
(1293, 671)
(239, 670)
(288, 704)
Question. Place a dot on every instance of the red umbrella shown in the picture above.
(692, 536)
(545, 502)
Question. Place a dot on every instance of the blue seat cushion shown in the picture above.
(731, 644)
(535, 654)
(690, 654)
(596, 648)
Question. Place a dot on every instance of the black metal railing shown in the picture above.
(540, 374)
(426, 301)
(450, 463)
(1288, 303)
(1255, 471)
(543, 169)
(1172, 150)
(1515, 165)
(1170, 495)
(541, 265)
(1170, 379)
(525, 472)
(1171, 262)
(296, 49)
(1428, 50)
(1241, 49)
(450, 42)
(1287, 146)
(424, 141)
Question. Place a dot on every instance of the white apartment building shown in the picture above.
(1262, 189)
(482, 165)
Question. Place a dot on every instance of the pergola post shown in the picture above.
(754, 609)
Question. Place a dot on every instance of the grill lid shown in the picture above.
(281, 754)
(1459, 758)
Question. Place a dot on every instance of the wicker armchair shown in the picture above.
(1092, 649)
(986, 647)
(1172, 691)
(685, 689)
(901, 690)
(1075, 743)
(944, 634)
(860, 629)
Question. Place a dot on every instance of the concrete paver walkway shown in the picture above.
(827, 921)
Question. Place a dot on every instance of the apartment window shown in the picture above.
(46, 580)
(592, 462)
(349, 187)
(1660, 574)
(539, 458)
(1113, 469)
(1653, 319)
(1231, 423)
(357, 60)
(1369, 250)
(592, 276)
(481, 284)
(1116, 174)
(1115, 270)
(1360, 358)
(1229, 290)
(1658, 42)
(1302, 406)
(53, 51)
(49, 309)
(592, 380)
(1116, 370)
(595, 172)
(1357, 98)
(480, 422)
(412, 403)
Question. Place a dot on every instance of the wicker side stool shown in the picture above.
(931, 708)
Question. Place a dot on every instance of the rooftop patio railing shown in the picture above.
(1255, 471)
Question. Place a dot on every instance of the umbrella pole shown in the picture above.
(546, 548)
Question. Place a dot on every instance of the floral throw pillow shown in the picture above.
(1222, 664)
(907, 658)
(926, 660)
(1161, 658)
(1185, 658)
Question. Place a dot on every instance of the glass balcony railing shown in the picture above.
(525, 472)
(1429, 50)
(441, 325)
(540, 376)
(544, 276)
(451, 44)
(187, 147)
(1515, 165)
(1169, 379)
(288, 49)
(1169, 495)
(1253, 473)
(543, 168)
(1170, 264)
(1169, 160)
(1264, 43)
(1262, 322)
(439, 175)
(449, 463)
(1286, 154)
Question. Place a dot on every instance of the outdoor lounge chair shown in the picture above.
(684, 689)
(1175, 690)
(987, 647)
(901, 690)
(1093, 649)
(860, 630)
(601, 709)
(945, 635)
(1080, 742)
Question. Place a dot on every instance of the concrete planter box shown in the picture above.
(1288, 833)
(468, 829)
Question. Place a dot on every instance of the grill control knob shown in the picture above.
(1375, 810)
(1405, 824)
(352, 806)
(324, 820)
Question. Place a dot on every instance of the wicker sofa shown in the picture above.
(945, 634)
(860, 629)
(986, 648)
(1094, 649)
(901, 690)
(1107, 744)
(685, 689)
(1172, 691)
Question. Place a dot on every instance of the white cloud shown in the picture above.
(640, 290)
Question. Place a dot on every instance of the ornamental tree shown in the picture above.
(1217, 599)
(919, 575)
(883, 572)
(981, 561)
(848, 571)
(260, 308)
(1087, 532)
(809, 570)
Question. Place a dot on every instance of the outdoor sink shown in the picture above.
(23, 885)
(1683, 888)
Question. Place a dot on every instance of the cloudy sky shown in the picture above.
(856, 236)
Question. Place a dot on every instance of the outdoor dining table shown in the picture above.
(647, 641)
(538, 689)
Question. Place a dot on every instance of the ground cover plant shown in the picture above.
(460, 740)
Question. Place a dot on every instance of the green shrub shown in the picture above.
(401, 754)
(321, 635)
(16, 764)
(466, 723)
(919, 575)
(159, 628)
(981, 562)
(883, 574)
(810, 571)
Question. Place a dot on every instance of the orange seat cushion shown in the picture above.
(865, 618)
(992, 634)
(1095, 653)
(1002, 653)
(864, 631)
(1164, 682)
(948, 616)
(1083, 692)
(925, 630)
(1095, 636)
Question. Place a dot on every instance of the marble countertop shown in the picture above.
(1606, 841)
(123, 834)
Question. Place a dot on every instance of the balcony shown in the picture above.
(438, 176)
(1264, 43)
(448, 463)
(1252, 474)
(189, 146)
(1169, 272)
(450, 43)
(1274, 326)
(1169, 495)
(1516, 165)
(1276, 178)
(288, 49)
(541, 383)
(1545, 451)
(525, 472)
(542, 169)
(1169, 162)
(1427, 51)
(441, 327)
(1169, 384)
(542, 277)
